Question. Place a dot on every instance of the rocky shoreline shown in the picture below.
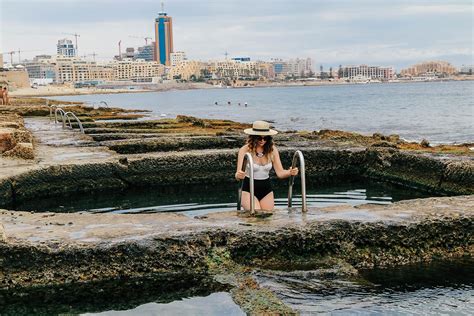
(44, 252)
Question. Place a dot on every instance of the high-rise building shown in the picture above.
(66, 48)
(163, 38)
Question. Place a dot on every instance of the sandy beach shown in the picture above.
(56, 90)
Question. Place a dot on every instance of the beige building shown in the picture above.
(235, 69)
(137, 70)
(186, 70)
(430, 67)
(177, 58)
(70, 69)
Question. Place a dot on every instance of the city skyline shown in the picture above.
(398, 33)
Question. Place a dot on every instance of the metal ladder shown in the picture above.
(248, 157)
(64, 115)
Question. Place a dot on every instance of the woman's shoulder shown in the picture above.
(244, 149)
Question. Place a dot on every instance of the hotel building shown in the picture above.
(163, 38)
(367, 72)
(429, 67)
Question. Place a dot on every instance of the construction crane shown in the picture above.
(11, 56)
(93, 55)
(76, 36)
(145, 38)
(120, 50)
(19, 51)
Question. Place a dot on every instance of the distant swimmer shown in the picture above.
(245, 104)
(228, 103)
(216, 103)
(239, 103)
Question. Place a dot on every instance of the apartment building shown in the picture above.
(367, 72)
(137, 70)
(235, 69)
(186, 70)
(430, 67)
(177, 58)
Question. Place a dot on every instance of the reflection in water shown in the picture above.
(438, 288)
(196, 200)
(219, 303)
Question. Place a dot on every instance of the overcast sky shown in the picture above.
(380, 32)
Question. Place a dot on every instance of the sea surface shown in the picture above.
(441, 112)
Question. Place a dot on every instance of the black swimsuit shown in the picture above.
(261, 187)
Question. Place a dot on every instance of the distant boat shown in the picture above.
(163, 115)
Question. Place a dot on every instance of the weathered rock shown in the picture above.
(7, 140)
(21, 150)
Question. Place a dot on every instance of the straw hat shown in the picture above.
(260, 128)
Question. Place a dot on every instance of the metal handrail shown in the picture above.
(77, 119)
(51, 110)
(61, 111)
(247, 157)
(298, 154)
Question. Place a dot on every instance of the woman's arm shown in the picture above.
(280, 172)
(239, 174)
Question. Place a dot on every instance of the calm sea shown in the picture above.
(441, 112)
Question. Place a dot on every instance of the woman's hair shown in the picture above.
(252, 141)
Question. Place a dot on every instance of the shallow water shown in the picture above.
(442, 112)
(220, 303)
(445, 287)
(196, 200)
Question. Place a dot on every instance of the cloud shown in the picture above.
(335, 31)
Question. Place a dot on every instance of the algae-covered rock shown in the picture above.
(404, 168)
(3, 236)
(58, 180)
(6, 192)
(459, 177)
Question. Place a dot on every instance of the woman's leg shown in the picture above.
(268, 202)
(245, 201)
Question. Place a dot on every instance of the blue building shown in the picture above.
(163, 38)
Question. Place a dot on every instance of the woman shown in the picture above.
(265, 156)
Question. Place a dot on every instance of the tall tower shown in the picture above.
(163, 37)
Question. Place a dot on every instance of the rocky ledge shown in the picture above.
(49, 249)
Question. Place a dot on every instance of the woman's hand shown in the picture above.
(293, 171)
(240, 175)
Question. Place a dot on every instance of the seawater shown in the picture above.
(441, 112)
(194, 200)
(436, 288)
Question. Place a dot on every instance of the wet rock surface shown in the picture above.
(48, 249)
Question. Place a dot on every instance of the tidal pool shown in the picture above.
(437, 288)
(195, 200)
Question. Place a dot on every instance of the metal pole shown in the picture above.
(298, 154)
(247, 157)
(61, 111)
(77, 119)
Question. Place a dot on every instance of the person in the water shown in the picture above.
(265, 156)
